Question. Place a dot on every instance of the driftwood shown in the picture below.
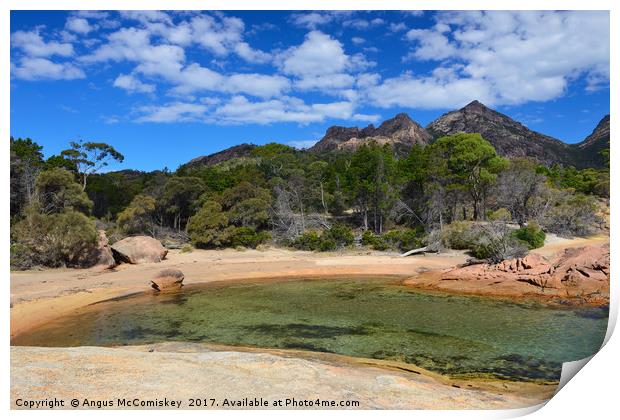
(417, 251)
(472, 261)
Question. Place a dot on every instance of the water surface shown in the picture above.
(374, 318)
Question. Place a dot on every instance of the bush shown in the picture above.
(340, 234)
(571, 214)
(187, 248)
(52, 240)
(328, 244)
(404, 240)
(374, 241)
(246, 237)
(337, 237)
(495, 242)
(307, 241)
(458, 235)
(531, 234)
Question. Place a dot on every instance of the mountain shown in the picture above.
(590, 148)
(509, 137)
(239, 151)
(401, 132)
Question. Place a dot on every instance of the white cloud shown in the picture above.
(397, 27)
(78, 25)
(145, 15)
(260, 85)
(33, 44)
(195, 78)
(319, 54)
(132, 84)
(251, 55)
(217, 36)
(501, 58)
(31, 68)
(325, 82)
(239, 110)
(429, 92)
(173, 112)
(92, 14)
(312, 20)
(358, 40)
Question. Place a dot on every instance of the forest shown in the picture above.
(457, 192)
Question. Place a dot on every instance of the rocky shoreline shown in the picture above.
(575, 276)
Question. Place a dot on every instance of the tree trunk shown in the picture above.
(323, 198)
(415, 251)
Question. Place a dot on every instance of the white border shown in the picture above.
(592, 394)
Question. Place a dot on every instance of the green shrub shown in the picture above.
(374, 241)
(337, 237)
(246, 237)
(404, 240)
(341, 234)
(187, 248)
(531, 234)
(327, 244)
(308, 241)
(53, 240)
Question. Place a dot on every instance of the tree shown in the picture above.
(26, 163)
(90, 157)
(370, 182)
(54, 231)
(207, 227)
(518, 188)
(138, 216)
(178, 197)
(318, 174)
(247, 205)
(57, 191)
(471, 164)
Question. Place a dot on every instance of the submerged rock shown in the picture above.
(139, 249)
(170, 278)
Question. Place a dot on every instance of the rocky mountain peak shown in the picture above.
(509, 137)
(400, 131)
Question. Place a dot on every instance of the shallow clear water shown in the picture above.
(376, 318)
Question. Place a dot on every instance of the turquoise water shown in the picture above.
(375, 318)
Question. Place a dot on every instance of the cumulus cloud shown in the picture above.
(132, 84)
(78, 25)
(501, 58)
(320, 62)
(312, 20)
(33, 68)
(251, 55)
(33, 45)
(172, 112)
(240, 110)
(497, 57)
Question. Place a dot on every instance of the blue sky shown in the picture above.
(165, 87)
